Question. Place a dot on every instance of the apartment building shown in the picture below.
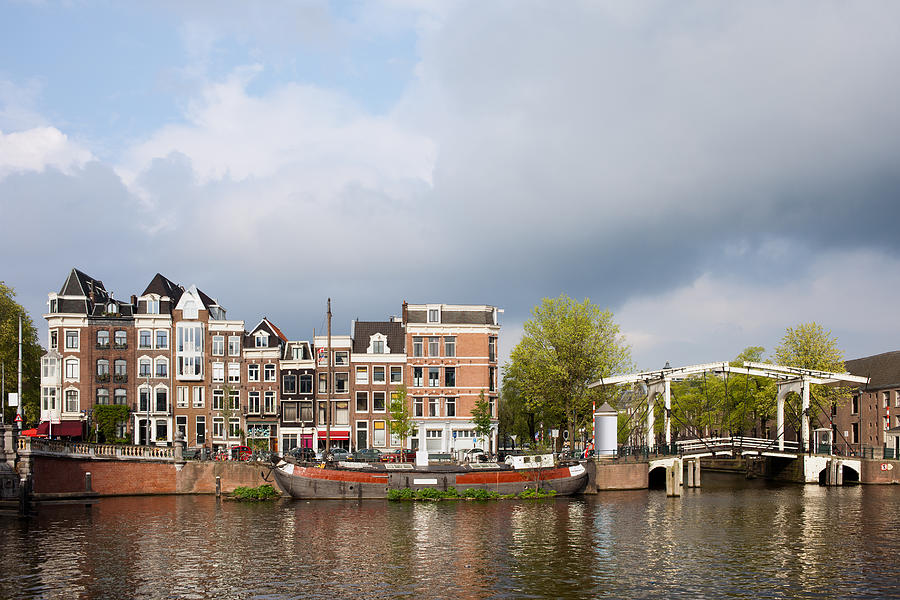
(378, 363)
(333, 395)
(263, 351)
(298, 374)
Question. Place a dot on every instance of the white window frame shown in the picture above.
(261, 340)
(149, 333)
(218, 345)
(233, 373)
(234, 345)
(376, 443)
(383, 402)
(253, 402)
(148, 362)
(189, 357)
(156, 343)
(218, 399)
(160, 360)
(399, 369)
(197, 400)
(77, 345)
(270, 373)
(77, 394)
(252, 372)
(362, 374)
(434, 314)
(182, 397)
(218, 372)
(270, 403)
(218, 428)
(234, 427)
(77, 366)
(153, 305)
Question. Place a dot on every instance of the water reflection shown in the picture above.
(729, 539)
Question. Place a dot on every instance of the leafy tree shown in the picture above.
(9, 355)
(401, 423)
(811, 346)
(566, 346)
(514, 415)
(482, 418)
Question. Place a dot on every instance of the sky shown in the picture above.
(710, 172)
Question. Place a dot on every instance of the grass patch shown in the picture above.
(250, 494)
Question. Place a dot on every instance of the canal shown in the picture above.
(730, 539)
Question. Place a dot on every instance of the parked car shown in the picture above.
(367, 455)
(241, 453)
(302, 454)
(337, 454)
(474, 455)
(399, 456)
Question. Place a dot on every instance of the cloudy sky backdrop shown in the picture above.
(711, 172)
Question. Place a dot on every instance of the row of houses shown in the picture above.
(174, 358)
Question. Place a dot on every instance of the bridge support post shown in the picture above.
(651, 434)
(673, 479)
(690, 473)
(804, 415)
(697, 473)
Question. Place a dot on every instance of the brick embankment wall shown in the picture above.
(618, 476)
(874, 472)
(66, 477)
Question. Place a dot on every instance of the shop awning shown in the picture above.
(335, 435)
(63, 428)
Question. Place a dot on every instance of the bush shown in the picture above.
(538, 493)
(477, 494)
(404, 494)
(263, 492)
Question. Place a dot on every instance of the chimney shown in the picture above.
(134, 300)
(405, 312)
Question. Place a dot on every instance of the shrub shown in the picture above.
(263, 492)
(480, 494)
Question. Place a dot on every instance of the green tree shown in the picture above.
(567, 345)
(514, 415)
(811, 346)
(10, 310)
(402, 424)
(483, 419)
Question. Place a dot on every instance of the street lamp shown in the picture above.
(147, 426)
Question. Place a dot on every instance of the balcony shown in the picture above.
(102, 377)
(117, 378)
(121, 346)
(103, 346)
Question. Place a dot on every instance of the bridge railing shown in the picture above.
(85, 450)
(734, 444)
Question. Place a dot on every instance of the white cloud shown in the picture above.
(38, 148)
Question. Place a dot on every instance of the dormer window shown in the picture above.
(112, 308)
(378, 344)
(153, 306)
(434, 315)
(262, 340)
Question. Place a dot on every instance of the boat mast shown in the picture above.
(328, 388)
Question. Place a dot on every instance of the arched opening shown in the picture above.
(656, 479)
(851, 476)
(823, 474)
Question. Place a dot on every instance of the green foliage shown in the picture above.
(537, 493)
(263, 492)
(107, 417)
(482, 418)
(402, 424)
(9, 355)
(401, 494)
(566, 346)
(470, 494)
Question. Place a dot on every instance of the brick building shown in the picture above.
(263, 351)
(298, 374)
(336, 392)
(378, 363)
(873, 410)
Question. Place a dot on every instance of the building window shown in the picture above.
(434, 315)
(152, 306)
(218, 427)
(198, 397)
(262, 341)
(234, 345)
(234, 399)
(162, 339)
(289, 384)
(377, 374)
(418, 349)
(377, 346)
(72, 369)
(253, 403)
(182, 399)
(144, 338)
(120, 371)
(289, 411)
(48, 370)
(201, 430)
(362, 402)
(218, 345)
(450, 346)
(102, 396)
(289, 442)
(234, 372)
(396, 374)
(218, 372)
(885, 399)
(341, 383)
(48, 401)
(269, 403)
(181, 426)
(144, 400)
(341, 358)
(144, 367)
(306, 412)
(492, 402)
(896, 399)
(854, 405)
(492, 349)
(323, 383)
(121, 339)
(102, 370)
(418, 409)
(492, 375)
(306, 384)
(378, 433)
(102, 339)
(434, 376)
(71, 339)
(417, 376)
(252, 372)
(189, 350)
(449, 376)
(362, 374)
(162, 431)
(341, 413)
(434, 433)
(434, 346)
(162, 400)
(162, 367)
(54, 340)
(72, 404)
(269, 372)
(450, 404)
(218, 399)
(378, 401)
(434, 408)
(321, 413)
(120, 396)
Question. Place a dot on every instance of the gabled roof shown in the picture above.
(882, 369)
(363, 330)
(267, 326)
(163, 286)
(92, 291)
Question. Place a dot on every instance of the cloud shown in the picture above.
(39, 148)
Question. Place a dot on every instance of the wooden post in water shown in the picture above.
(218, 486)
(690, 473)
(87, 482)
(697, 473)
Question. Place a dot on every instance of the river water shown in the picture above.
(730, 539)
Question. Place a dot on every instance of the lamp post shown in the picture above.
(149, 399)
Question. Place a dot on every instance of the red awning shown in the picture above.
(335, 435)
(30, 432)
(63, 428)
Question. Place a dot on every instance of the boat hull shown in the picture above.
(311, 482)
